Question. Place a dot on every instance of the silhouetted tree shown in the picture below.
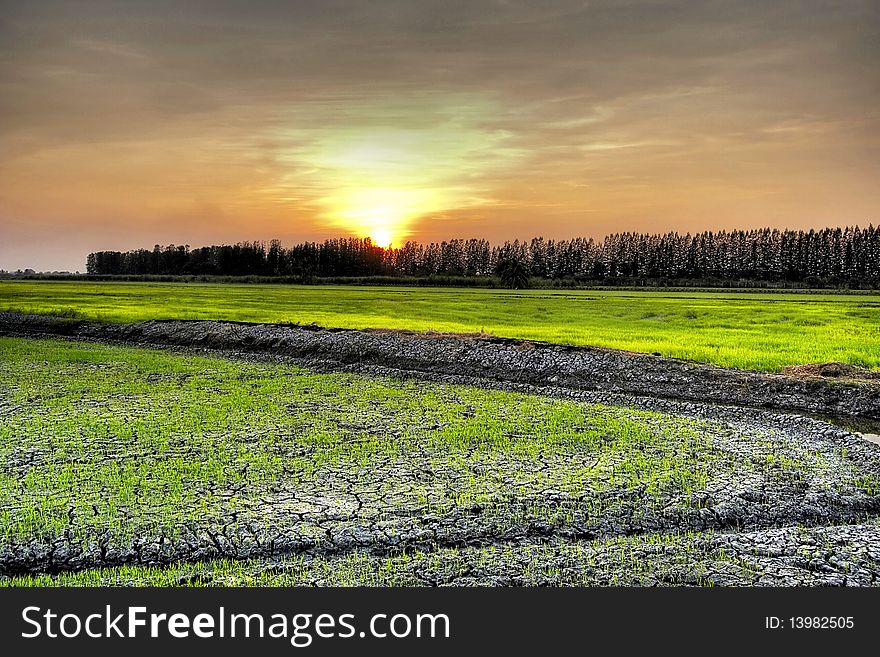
(514, 272)
(833, 256)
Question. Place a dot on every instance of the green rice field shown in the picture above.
(744, 330)
(131, 466)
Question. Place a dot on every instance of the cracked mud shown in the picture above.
(127, 465)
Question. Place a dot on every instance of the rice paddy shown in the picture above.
(743, 330)
(123, 464)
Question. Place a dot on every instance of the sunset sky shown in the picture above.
(125, 124)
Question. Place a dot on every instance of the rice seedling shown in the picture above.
(743, 330)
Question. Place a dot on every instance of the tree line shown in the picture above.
(843, 257)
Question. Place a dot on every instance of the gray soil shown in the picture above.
(488, 358)
(805, 525)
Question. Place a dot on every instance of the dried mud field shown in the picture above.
(126, 464)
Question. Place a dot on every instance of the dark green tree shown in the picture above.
(513, 272)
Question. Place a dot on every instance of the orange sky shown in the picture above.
(127, 124)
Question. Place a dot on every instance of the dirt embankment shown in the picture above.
(488, 358)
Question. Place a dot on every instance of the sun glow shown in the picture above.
(382, 237)
(378, 170)
(383, 214)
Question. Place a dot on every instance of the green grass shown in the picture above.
(634, 561)
(103, 446)
(99, 439)
(742, 330)
(679, 558)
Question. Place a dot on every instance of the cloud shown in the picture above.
(289, 114)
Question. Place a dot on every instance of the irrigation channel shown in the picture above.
(765, 491)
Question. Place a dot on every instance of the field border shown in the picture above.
(483, 357)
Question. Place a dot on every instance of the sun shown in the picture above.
(381, 237)
(384, 214)
(385, 168)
